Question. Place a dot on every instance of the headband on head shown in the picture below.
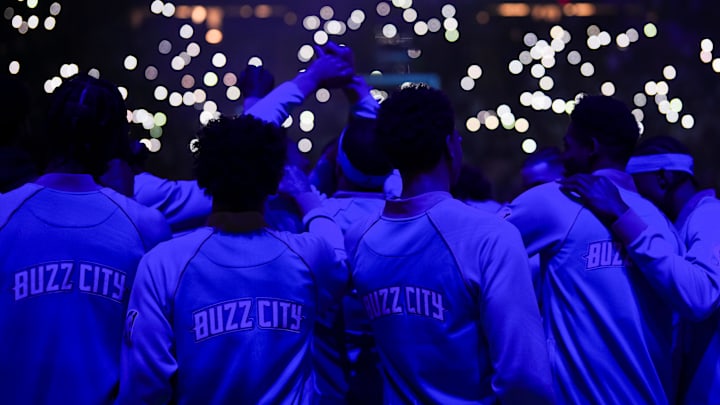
(354, 174)
(666, 161)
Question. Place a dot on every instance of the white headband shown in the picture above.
(667, 161)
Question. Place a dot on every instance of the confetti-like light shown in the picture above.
(529, 145)
(467, 83)
(130, 62)
(14, 67)
(669, 72)
(473, 124)
(305, 145)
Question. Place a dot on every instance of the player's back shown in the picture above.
(426, 273)
(67, 260)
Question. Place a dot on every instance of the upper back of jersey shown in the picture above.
(421, 279)
(67, 262)
(240, 310)
(610, 334)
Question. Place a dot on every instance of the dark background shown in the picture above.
(100, 34)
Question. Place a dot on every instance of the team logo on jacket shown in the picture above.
(605, 253)
(67, 276)
(247, 314)
(407, 299)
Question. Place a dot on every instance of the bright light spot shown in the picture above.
(522, 125)
(593, 30)
(664, 107)
(322, 95)
(327, 12)
(587, 69)
(570, 106)
(640, 100)
(232, 93)
(175, 99)
(131, 62)
(473, 124)
(210, 106)
(548, 61)
(335, 27)
(311, 23)
(633, 35)
(663, 88)
(604, 38)
(305, 145)
(177, 63)
(687, 121)
(420, 28)
(16, 21)
(229, 79)
(669, 72)
(651, 88)
(33, 22)
(507, 121)
(154, 145)
(189, 98)
(529, 145)
(546, 83)
(49, 23)
(156, 7)
(48, 86)
(55, 8)
(14, 67)
(676, 105)
(448, 11)
(452, 36)
(537, 71)
(526, 99)
(383, 9)
(707, 45)
(306, 126)
(467, 83)
(305, 53)
(672, 117)
(705, 56)
(474, 71)
(716, 65)
(558, 106)
(210, 79)
(151, 73)
(168, 9)
(200, 96)
(622, 40)
(557, 45)
(307, 116)
(219, 60)
(140, 115)
(450, 24)
(389, 31)
(156, 132)
(434, 25)
(650, 30)
(593, 42)
(320, 37)
(32, 3)
(639, 114)
(525, 57)
(160, 93)
(255, 61)
(357, 16)
(530, 39)
(160, 119)
(414, 53)
(503, 109)
(492, 122)
(94, 73)
(410, 15)
(198, 15)
(123, 92)
(574, 57)
(187, 81)
(515, 67)
(214, 36)
(288, 122)
(607, 89)
(205, 117)
(557, 32)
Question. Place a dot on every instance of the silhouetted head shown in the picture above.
(240, 161)
(361, 161)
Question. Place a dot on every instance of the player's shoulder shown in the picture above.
(12, 200)
(181, 248)
(151, 224)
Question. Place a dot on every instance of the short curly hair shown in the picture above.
(240, 161)
(610, 122)
(412, 125)
(87, 124)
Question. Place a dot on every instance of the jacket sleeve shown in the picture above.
(511, 320)
(147, 363)
(275, 107)
(691, 280)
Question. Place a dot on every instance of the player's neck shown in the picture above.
(436, 179)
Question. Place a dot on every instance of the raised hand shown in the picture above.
(255, 81)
